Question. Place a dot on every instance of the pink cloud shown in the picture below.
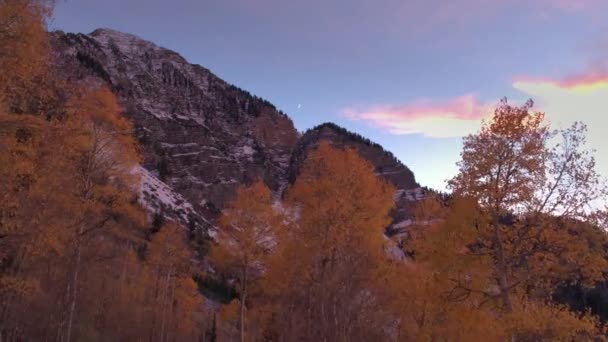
(598, 74)
(449, 118)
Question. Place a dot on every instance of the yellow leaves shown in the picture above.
(429, 209)
(230, 312)
(503, 165)
(66, 186)
(454, 280)
(527, 235)
(321, 281)
(169, 250)
(25, 48)
(448, 245)
(340, 199)
(100, 106)
(342, 205)
(101, 130)
(420, 299)
(16, 286)
(247, 236)
(69, 224)
(248, 230)
(427, 313)
(531, 320)
(570, 256)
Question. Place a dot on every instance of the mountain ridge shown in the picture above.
(200, 135)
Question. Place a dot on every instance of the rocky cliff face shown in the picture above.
(202, 137)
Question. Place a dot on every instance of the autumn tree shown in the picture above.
(23, 36)
(322, 275)
(64, 178)
(451, 290)
(103, 153)
(73, 258)
(31, 160)
(248, 231)
(28, 82)
(175, 296)
(131, 294)
(516, 226)
(67, 183)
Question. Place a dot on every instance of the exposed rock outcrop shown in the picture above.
(202, 137)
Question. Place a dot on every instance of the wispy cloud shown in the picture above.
(582, 97)
(578, 98)
(440, 119)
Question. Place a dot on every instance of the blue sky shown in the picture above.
(413, 75)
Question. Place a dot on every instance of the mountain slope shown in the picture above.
(202, 137)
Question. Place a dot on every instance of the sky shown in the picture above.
(413, 75)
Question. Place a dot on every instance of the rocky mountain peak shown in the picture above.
(386, 164)
(108, 32)
(201, 136)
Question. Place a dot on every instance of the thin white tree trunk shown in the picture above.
(164, 303)
(242, 307)
(72, 306)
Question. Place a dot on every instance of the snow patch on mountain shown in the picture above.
(411, 195)
(156, 196)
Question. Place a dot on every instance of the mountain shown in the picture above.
(201, 137)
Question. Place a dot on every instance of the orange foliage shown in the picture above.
(75, 262)
(69, 222)
(248, 231)
(321, 279)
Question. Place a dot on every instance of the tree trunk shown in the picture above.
(72, 305)
(501, 269)
(155, 304)
(163, 304)
(123, 276)
(242, 306)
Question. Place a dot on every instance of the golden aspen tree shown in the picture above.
(24, 50)
(524, 184)
(39, 200)
(431, 295)
(248, 232)
(68, 181)
(175, 295)
(424, 310)
(514, 229)
(104, 153)
(452, 289)
(30, 142)
(331, 252)
(25, 56)
(69, 222)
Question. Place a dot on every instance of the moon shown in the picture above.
(299, 105)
